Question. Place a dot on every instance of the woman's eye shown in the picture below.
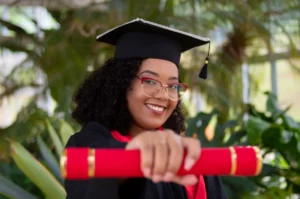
(148, 81)
(173, 86)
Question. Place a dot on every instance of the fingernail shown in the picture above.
(189, 163)
(147, 172)
(168, 176)
(156, 178)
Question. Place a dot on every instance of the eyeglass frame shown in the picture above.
(161, 86)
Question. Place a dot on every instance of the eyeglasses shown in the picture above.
(151, 87)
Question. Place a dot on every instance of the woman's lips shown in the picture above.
(156, 108)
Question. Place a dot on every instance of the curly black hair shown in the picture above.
(102, 97)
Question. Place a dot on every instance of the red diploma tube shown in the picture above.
(85, 163)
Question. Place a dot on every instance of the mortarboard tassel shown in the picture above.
(203, 72)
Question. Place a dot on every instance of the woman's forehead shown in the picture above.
(159, 67)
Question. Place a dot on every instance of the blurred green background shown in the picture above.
(251, 96)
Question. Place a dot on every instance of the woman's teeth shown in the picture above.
(155, 108)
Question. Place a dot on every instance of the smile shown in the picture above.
(156, 108)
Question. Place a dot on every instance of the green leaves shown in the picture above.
(272, 192)
(29, 123)
(39, 175)
(290, 123)
(255, 126)
(271, 136)
(286, 136)
(49, 158)
(48, 181)
(272, 105)
(11, 190)
(280, 134)
(55, 139)
(198, 124)
(237, 185)
(223, 134)
(277, 134)
(65, 131)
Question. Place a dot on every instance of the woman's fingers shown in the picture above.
(162, 154)
(175, 157)
(146, 147)
(177, 145)
(161, 151)
(193, 147)
(147, 156)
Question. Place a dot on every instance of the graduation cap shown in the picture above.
(141, 38)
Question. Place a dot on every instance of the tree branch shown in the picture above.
(56, 4)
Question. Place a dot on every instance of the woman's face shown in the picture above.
(152, 112)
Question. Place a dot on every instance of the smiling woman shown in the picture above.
(110, 89)
(133, 102)
(150, 100)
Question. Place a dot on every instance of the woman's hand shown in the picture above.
(162, 153)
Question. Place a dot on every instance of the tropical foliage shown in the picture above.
(57, 43)
(43, 170)
(275, 133)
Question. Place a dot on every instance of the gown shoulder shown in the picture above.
(92, 135)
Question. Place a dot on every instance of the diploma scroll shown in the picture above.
(85, 163)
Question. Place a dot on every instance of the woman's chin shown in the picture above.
(153, 125)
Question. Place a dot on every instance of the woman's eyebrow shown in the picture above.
(157, 75)
(151, 72)
(173, 78)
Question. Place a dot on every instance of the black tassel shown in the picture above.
(203, 72)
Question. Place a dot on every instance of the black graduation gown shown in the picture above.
(96, 136)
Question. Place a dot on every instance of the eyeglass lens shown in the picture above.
(152, 87)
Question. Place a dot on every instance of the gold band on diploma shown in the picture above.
(233, 161)
(63, 161)
(258, 160)
(91, 161)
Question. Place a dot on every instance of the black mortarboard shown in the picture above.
(141, 38)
